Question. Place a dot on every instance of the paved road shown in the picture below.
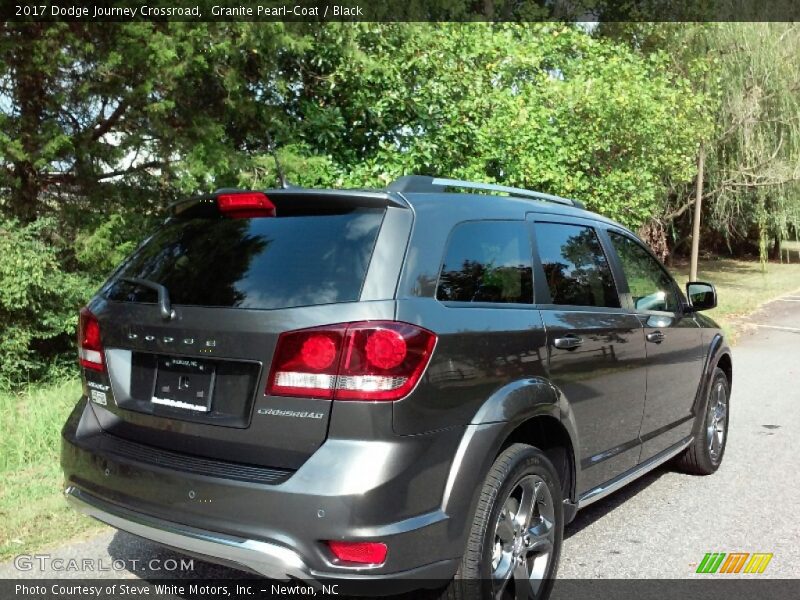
(661, 525)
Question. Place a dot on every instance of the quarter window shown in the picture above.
(650, 286)
(575, 267)
(487, 261)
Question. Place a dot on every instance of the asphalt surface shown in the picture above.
(661, 525)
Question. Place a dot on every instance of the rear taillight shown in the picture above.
(90, 348)
(363, 553)
(372, 360)
(306, 362)
(245, 205)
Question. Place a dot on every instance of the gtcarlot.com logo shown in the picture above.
(734, 562)
(46, 562)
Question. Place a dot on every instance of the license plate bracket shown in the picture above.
(184, 383)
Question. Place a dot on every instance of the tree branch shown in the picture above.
(129, 170)
(689, 204)
(746, 184)
(105, 126)
(69, 177)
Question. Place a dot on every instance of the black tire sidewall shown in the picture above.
(719, 375)
(710, 465)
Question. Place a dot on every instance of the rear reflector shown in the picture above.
(371, 360)
(245, 205)
(365, 553)
(90, 348)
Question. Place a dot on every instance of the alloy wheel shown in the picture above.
(524, 538)
(716, 421)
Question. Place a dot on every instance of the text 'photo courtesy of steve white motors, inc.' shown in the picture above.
(88, 11)
(87, 588)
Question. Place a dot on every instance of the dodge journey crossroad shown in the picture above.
(412, 387)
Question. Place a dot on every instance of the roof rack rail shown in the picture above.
(425, 184)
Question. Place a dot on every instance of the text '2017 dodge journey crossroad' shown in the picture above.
(402, 386)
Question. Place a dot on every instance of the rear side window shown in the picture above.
(487, 261)
(297, 260)
(575, 266)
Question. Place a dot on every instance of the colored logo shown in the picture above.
(734, 562)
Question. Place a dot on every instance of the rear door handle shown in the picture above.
(569, 342)
(656, 337)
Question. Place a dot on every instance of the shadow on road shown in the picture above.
(601, 508)
(150, 561)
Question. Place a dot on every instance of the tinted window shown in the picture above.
(257, 263)
(650, 286)
(575, 266)
(487, 261)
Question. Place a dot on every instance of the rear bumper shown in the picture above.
(278, 530)
(261, 558)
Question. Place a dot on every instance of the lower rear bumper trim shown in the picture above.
(261, 558)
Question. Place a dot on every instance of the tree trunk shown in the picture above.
(25, 195)
(698, 205)
(775, 252)
(29, 91)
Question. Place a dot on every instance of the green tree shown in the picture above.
(546, 106)
(100, 127)
(749, 78)
(754, 170)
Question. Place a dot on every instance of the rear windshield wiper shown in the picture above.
(163, 295)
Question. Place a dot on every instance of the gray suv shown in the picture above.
(417, 386)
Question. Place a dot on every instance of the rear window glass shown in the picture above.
(487, 261)
(575, 266)
(263, 263)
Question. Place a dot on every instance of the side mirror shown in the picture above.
(702, 296)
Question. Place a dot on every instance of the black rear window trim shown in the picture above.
(486, 305)
(216, 307)
(601, 310)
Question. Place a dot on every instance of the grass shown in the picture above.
(742, 286)
(33, 513)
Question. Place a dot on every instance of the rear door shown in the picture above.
(195, 383)
(595, 347)
(673, 341)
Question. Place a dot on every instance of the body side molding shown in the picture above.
(601, 491)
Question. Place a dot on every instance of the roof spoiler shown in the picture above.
(330, 198)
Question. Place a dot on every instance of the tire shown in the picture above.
(702, 457)
(519, 473)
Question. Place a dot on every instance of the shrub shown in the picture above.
(39, 302)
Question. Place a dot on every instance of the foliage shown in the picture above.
(38, 302)
(750, 77)
(102, 127)
(32, 508)
(546, 106)
(100, 249)
(755, 167)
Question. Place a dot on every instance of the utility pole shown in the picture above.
(698, 204)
